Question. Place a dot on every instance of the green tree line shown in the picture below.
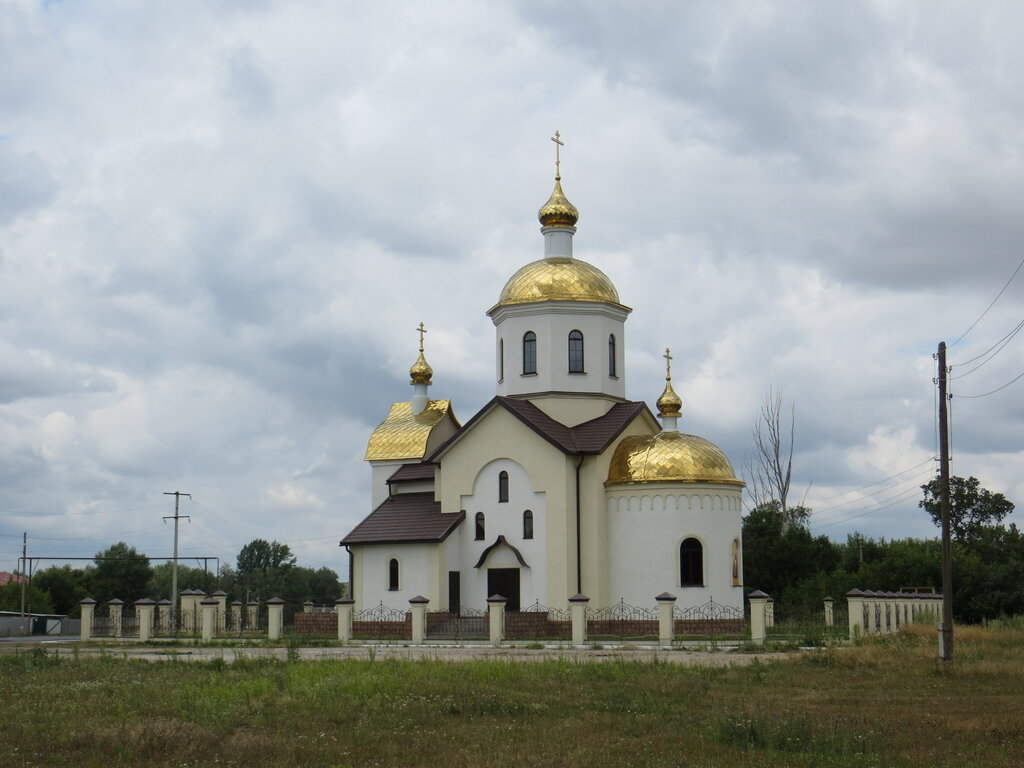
(782, 558)
(262, 570)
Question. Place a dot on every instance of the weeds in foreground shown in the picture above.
(880, 703)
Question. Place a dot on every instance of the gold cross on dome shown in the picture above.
(668, 364)
(557, 138)
(422, 329)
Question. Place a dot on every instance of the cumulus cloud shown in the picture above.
(220, 225)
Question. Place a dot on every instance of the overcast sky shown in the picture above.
(220, 224)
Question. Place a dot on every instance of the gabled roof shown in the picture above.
(589, 438)
(403, 435)
(407, 518)
(411, 473)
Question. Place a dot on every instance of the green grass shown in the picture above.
(884, 702)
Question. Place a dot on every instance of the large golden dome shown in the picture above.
(558, 279)
(669, 457)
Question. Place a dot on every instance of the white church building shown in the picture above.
(559, 485)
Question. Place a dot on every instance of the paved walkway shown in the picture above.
(447, 653)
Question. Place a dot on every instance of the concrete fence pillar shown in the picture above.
(883, 614)
(88, 608)
(759, 602)
(830, 616)
(666, 619)
(222, 607)
(116, 609)
(855, 611)
(578, 608)
(496, 619)
(209, 608)
(307, 607)
(251, 615)
(418, 607)
(344, 605)
(769, 613)
(275, 618)
(144, 613)
(236, 616)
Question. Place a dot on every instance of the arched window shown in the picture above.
(393, 574)
(575, 352)
(503, 486)
(479, 526)
(611, 355)
(691, 563)
(527, 524)
(529, 352)
(501, 359)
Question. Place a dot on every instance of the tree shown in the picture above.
(121, 572)
(769, 471)
(264, 568)
(971, 507)
(65, 585)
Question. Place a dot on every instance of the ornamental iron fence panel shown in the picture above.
(711, 618)
(467, 624)
(538, 622)
(622, 621)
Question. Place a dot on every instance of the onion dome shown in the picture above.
(669, 404)
(558, 211)
(558, 279)
(420, 372)
(669, 457)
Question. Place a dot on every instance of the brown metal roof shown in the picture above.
(590, 437)
(409, 473)
(407, 517)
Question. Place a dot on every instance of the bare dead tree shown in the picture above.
(769, 469)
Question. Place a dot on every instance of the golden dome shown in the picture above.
(404, 435)
(558, 211)
(421, 371)
(559, 278)
(669, 404)
(669, 457)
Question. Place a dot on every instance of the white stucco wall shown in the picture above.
(648, 523)
(552, 321)
(505, 519)
(414, 562)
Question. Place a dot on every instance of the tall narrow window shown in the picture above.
(527, 524)
(501, 359)
(611, 355)
(529, 352)
(691, 563)
(503, 486)
(393, 575)
(575, 352)
(479, 526)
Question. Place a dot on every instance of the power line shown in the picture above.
(999, 389)
(877, 482)
(915, 479)
(990, 305)
(1001, 344)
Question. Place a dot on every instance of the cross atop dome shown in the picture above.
(669, 404)
(558, 212)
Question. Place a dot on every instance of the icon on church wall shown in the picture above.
(735, 562)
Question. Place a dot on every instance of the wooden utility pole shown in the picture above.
(174, 569)
(946, 627)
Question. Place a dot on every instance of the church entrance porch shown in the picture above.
(504, 582)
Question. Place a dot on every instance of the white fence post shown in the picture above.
(855, 609)
(88, 608)
(115, 609)
(578, 606)
(344, 618)
(830, 616)
(496, 619)
(418, 606)
(275, 618)
(209, 606)
(758, 616)
(144, 617)
(666, 620)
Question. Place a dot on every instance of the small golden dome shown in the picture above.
(669, 404)
(421, 371)
(559, 278)
(558, 211)
(669, 457)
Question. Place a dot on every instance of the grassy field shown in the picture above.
(884, 703)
